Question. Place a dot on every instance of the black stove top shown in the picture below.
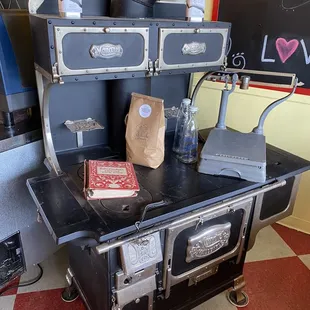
(178, 188)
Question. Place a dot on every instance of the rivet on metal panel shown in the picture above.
(60, 52)
(107, 30)
(49, 21)
(72, 22)
(146, 30)
(197, 30)
(94, 23)
(133, 24)
(85, 29)
(58, 29)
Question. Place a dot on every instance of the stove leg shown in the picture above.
(237, 296)
(70, 293)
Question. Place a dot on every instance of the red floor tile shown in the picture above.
(13, 291)
(46, 300)
(279, 284)
(297, 241)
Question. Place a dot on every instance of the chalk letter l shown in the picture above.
(263, 59)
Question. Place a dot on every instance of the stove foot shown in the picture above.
(238, 298)
(70, 294)
(236, 295)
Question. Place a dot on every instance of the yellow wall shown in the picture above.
(287, 127)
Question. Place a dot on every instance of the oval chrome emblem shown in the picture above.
(194, 48)
(106, 51)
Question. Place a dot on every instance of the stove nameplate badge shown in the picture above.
(141, 253)
(208, 242)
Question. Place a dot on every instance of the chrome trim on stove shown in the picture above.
(207, 214)
(165, 32)
(132, 293)
(44, 100)
(141, 253)
(194, 48)
(259, 224)
(106, 247)
(209, 241)
(61, 32)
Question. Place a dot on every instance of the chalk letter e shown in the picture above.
(263, 59)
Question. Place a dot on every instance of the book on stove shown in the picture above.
(109, 179)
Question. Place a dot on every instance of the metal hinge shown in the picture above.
(150, 68)
(225, 64)
(55, 73)
(156, 66)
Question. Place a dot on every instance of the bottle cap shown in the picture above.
(193, 109)
(186, 101)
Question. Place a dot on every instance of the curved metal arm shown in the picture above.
(260, 128)
(205, 77)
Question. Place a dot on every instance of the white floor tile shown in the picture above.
(269, 245)
(54, 271)
(218, 302)
(306, 260)
(7, 302)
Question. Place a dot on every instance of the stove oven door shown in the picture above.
(195, 247)
(273, 206)
(188, 48)
(97, 50)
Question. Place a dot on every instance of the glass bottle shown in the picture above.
(183, 116)
(188, 151)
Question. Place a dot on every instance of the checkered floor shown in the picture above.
(277, 274)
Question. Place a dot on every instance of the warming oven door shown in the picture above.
(95, 50)
(195, 248)
(185, 48)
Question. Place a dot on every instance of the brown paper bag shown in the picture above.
(145, 133)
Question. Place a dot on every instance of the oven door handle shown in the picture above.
(149, 207)
(106, 247)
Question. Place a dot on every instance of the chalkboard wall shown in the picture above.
(269, 35)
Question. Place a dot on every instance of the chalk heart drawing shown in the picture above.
(286, 48)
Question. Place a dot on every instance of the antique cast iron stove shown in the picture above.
(184, 238)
